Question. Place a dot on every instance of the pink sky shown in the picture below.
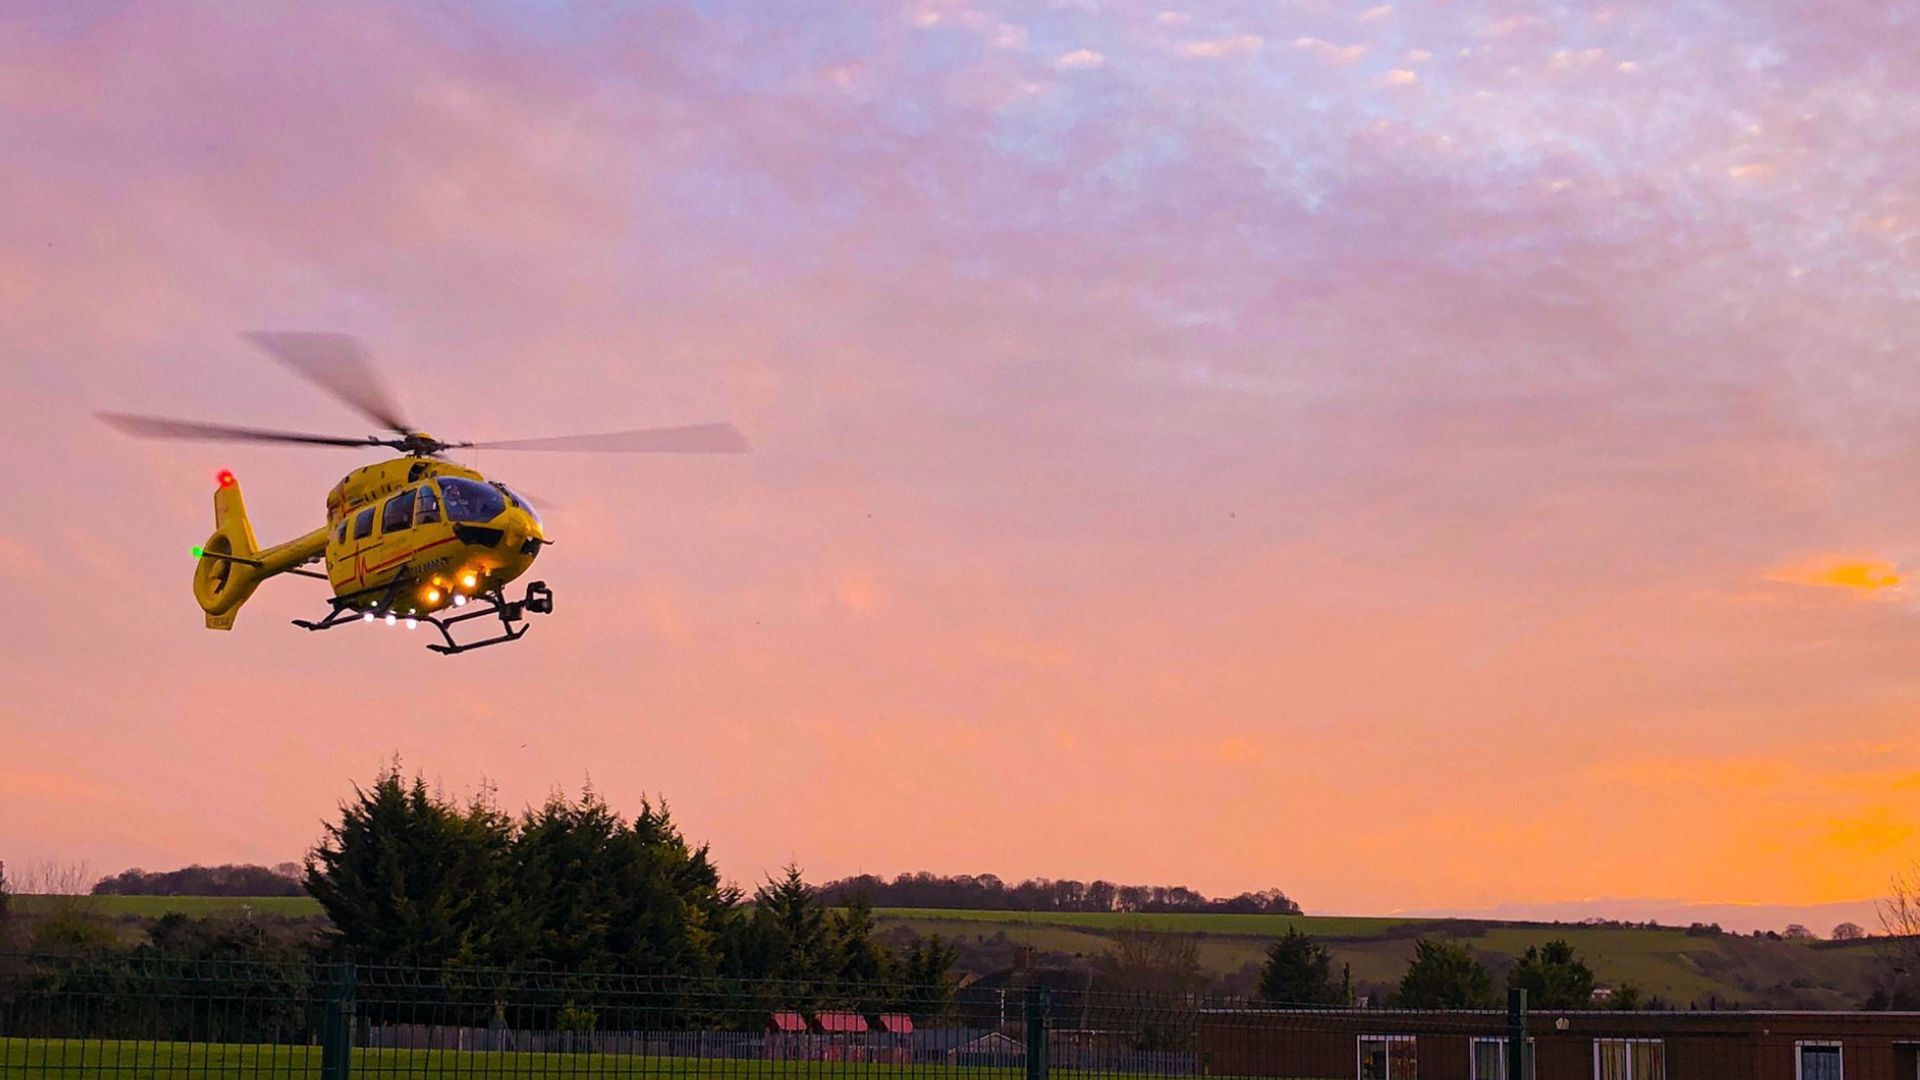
(1417, 456)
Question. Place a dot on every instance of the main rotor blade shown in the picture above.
(692, 439)
(337, 364)
(155, 427)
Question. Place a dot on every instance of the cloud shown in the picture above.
(1079, 60)
(1377, 14)
(1227, 46)
(1338, 55)
(1400, 77)
(1851, 573)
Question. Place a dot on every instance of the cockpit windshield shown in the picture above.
(470, 500)
(520, 501)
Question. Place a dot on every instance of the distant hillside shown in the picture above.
(1708, 970)
(1682, 969)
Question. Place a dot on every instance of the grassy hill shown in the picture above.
(1678, 967)
(1672, 964)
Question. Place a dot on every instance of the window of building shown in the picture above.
(1388, 1057)
(470, 500)
(363, 524)
(429, 507)
(1818, 1061)
(1629, 1059)
(1490, 1059)
(398, 514)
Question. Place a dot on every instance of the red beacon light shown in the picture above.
(226, 478)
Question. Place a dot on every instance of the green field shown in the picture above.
(1326, 926)
(1668, 963)
(49, 1059)
(1331, 926)
(152, 907)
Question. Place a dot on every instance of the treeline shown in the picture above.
(408, 877)
(986, 892)
(226, 880)
(1444, 975)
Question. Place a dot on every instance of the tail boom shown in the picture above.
(232, 564)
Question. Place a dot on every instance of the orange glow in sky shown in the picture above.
(1419, 461)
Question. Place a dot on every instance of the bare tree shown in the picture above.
(1900, 918)
(49, 877)
(1849, 931)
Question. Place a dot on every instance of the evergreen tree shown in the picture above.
(566, 879)
(796, 937)
(409, 878)
(859, 959)
(672, 909)
(926, 969)
(1553, 977)
(1444, 976)
(1299, 971)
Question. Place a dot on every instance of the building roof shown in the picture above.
(896, 1023)
(788, 1021)
(840, 1022)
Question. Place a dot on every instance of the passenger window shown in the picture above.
(363, 524)
(398, 514)
(429, 511)
(340, 534)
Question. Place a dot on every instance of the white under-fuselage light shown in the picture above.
(390, 619)
(411, 623)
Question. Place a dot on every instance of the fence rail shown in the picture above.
(140, 1017)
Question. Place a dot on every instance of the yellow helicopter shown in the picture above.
(416, 539)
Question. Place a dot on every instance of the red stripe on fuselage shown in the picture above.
(407, 555)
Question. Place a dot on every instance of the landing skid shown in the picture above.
(356, 607)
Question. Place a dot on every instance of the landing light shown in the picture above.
(368, 617)
(458, 600)
(468, 580)
(411, 623)
(390, 618)
(433, 596)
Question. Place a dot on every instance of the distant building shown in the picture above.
(1385, 1044)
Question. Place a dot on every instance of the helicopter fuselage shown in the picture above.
(415, 535)
(406, 537)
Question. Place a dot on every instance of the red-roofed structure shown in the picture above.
(840, 1023)
(896, 1023)
(788, 1022)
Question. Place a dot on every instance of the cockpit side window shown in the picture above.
(398, 514)
(363, 524)
(429, 506)
(340, 534)
(469, 500)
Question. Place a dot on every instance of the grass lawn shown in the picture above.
(63, 1059)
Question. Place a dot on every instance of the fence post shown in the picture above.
(1517, 1056)
(1039, 999)
(337, 1010)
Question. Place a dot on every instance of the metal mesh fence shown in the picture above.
(146, 1017)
